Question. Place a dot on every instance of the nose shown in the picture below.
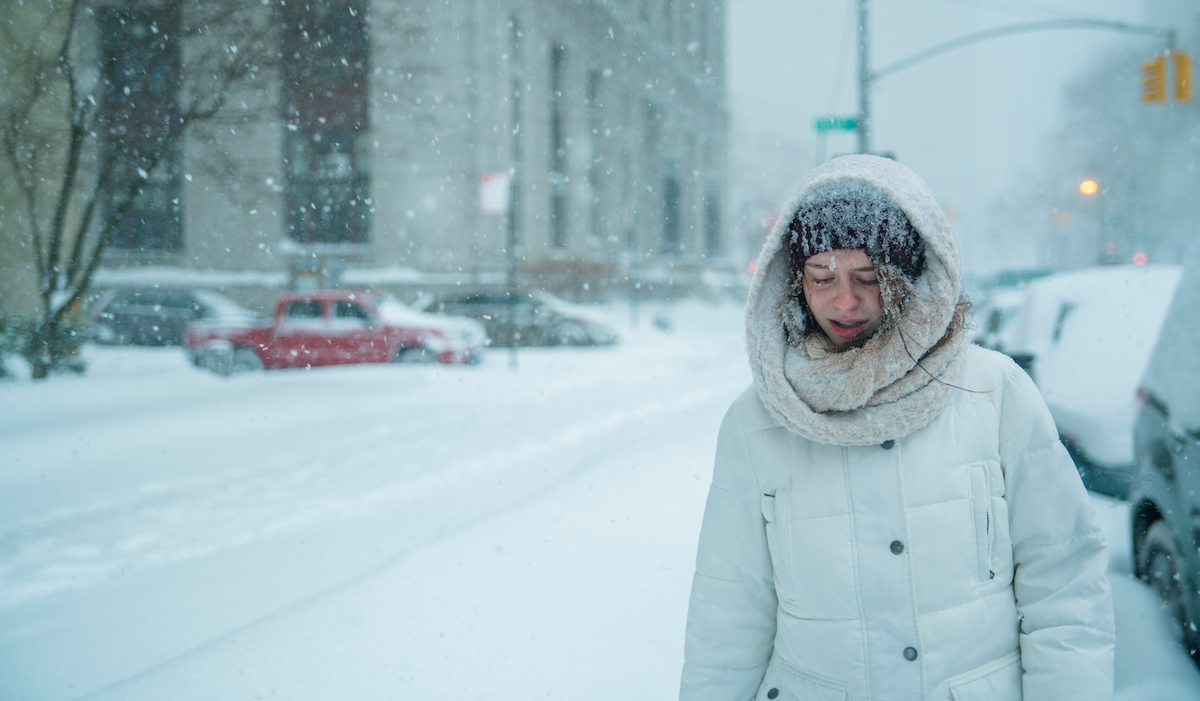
(845, 299)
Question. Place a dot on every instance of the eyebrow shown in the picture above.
(863, 269)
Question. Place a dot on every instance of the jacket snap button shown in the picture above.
(887, 445)
(772, 693)
(910, 653)
(897, 547)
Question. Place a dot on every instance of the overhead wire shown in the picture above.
(1028, 9)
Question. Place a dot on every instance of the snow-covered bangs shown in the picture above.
(852, 214)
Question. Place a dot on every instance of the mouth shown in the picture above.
(847, 329)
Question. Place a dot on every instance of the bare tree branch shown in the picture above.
(76, 189)
(66, 68)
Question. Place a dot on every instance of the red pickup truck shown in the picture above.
(334, 327)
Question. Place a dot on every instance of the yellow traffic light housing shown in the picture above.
(1154, 79)
(1183, 75)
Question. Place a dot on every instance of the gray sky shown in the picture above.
(970, 122)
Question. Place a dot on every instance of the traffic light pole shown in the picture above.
(867, 77)
(864, 79)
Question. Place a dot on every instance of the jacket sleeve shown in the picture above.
(731, 614)
(1060, 555)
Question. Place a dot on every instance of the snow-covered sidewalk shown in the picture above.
(149, 508)
(580, 592)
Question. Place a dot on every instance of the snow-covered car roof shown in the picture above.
(218, 304)
(222, 307)
(1091, 332)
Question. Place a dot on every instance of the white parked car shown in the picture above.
(1085, 337)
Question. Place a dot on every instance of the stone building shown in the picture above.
(385, 146)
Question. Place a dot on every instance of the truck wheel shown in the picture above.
(418, 354)
(1161, 565)
(244, 360)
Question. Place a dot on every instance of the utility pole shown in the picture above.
(514, 192)
(864, 79)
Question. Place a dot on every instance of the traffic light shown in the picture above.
(1183, 75)
(1154, 79)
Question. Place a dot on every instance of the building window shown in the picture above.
(665, 191)
(596, 160)
(558, 151)
(326, 191)
(712, 218)
(139, 104)
(672, 241)
(324, 102)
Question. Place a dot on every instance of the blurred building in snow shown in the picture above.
(383, 147)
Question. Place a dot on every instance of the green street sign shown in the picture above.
(835, 123)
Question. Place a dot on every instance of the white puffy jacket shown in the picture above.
(958, 562)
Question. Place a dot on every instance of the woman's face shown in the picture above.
(842, 291)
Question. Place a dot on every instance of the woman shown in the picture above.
(892, 515)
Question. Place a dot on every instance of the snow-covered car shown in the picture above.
(1165, 496)
(1085, 337)
(994, 318)
(538, 318)
(998, 298)
(335, 327)
(157, 316)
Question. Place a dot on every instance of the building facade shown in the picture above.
(419, 146)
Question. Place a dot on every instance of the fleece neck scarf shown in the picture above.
(878, 391)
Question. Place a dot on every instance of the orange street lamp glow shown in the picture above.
(1139, 258)
(1088, 187)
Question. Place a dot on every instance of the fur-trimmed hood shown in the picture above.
(878, 391)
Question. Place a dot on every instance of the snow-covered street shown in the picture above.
(381, 532)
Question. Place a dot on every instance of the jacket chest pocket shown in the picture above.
(982, 518)
(777, 513)
(811, 558)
